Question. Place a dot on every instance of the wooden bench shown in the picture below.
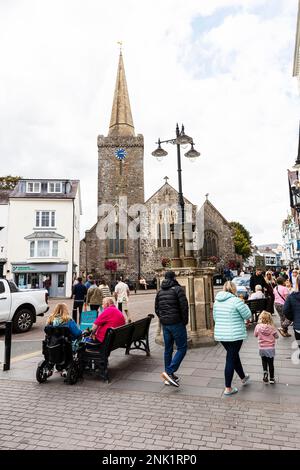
(132, 336)
(256, 306)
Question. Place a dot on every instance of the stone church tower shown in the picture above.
(121, 196)
(121, 153)
(120, 186)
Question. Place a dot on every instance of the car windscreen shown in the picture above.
(237, 281)
(244, 282)
(12, 286)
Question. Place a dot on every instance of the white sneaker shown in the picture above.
(166, 382)
(169, 379)
(246, 379)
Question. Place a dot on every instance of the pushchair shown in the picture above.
(58, 353)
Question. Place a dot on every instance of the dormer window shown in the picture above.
(55, 187)
(33, 187)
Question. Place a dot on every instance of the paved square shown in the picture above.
(137, 411)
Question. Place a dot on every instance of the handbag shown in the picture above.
(280, 294)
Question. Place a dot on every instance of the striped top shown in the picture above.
(105, 290)
(230, 314)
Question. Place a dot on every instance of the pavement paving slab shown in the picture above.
(195, 415)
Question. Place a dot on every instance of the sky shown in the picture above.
(223, 68)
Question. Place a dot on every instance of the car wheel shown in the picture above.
(23, 321)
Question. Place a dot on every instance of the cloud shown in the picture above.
(223, 68)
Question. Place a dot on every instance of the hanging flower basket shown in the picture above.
(213, 260)
(111, 265)
(232, 264)
(166, 262)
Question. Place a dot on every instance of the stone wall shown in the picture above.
(213, 220)
(152, 254)
(130, 180)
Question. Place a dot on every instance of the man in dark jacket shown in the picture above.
(79, 295)
(171, 307)
(257, 279)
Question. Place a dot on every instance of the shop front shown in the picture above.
(37, 276)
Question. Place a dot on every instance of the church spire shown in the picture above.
(121, 122)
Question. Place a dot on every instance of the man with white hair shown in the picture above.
(258, 294)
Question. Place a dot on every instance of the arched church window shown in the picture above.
(116, 246)
(164, 239)
(210, 245)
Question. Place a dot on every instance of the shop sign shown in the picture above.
(21, 269)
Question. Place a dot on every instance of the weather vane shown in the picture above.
(121, 44)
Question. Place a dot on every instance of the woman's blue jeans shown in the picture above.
(174, 334)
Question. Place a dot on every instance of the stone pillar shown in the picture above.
(198, 286)
(176, 261)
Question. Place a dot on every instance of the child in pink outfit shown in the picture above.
(266, 333)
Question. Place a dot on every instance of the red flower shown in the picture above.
(111, 265)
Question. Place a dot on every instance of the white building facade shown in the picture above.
(266, 258)
(43, 234)
(291, 242)
(4, 198)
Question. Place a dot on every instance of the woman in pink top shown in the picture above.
(281, 292)
(111, 317)
(266, 333)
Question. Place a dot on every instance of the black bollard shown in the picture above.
(7, 345)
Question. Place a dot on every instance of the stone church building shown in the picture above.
(135, 233)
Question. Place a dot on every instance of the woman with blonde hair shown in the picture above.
(60, 317)
(230, 314)
(266, 333)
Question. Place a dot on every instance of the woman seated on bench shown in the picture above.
(258, 294)
(111, 317)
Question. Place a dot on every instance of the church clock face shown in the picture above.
(120, 154)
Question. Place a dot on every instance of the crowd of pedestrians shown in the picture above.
(91, 294)
(230, 313)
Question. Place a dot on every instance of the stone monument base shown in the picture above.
(204, 340)
(198, 286)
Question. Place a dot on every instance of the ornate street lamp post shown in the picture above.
(180, 259)
(197, 281)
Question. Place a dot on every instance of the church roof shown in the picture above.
(121, 123)
(208, 203)
(173, 189)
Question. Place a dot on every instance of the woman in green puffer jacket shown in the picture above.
(230, 314)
